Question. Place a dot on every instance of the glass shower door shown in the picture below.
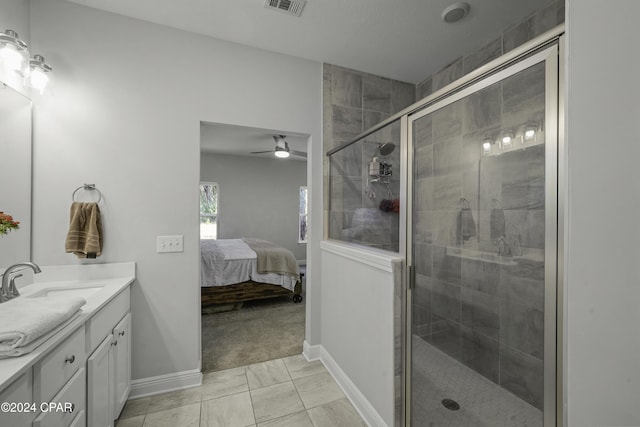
(482, 247)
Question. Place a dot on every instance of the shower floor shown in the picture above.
(437, 376)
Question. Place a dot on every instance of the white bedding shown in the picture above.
(230, 261)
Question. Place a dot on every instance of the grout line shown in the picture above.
(226, 395)
(300, 396)
(253, 410)
(287, 368)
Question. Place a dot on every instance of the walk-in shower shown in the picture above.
(479, 230)
(482, 246)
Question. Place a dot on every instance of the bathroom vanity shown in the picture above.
(80, 376)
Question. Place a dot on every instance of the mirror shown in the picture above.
(15, 176)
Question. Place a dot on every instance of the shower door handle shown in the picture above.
(411, 276)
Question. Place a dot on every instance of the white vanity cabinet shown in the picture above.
(109, 361)
(81, 375)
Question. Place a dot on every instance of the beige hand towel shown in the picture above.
(84, 238)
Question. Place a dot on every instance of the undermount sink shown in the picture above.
(67, 291)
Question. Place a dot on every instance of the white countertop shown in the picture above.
(112, 278)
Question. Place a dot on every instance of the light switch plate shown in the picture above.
(170, 244)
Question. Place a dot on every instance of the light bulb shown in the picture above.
(529, 132)
(11, 58)
(282, 154)
(506, 139)
(486, 147)
(39, 79)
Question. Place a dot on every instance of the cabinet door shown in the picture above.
(122, 364)
(72, 394)
(20, 391)
(99, 411)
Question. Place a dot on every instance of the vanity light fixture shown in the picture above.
(39, 73)
(14, 57)
(13, 52)
(527, 135)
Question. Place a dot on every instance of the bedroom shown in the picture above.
(251, 194)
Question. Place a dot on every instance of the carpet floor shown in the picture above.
(257, 332)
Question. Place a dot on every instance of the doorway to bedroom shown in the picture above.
(253, 187)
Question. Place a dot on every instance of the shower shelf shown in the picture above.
(481, 256)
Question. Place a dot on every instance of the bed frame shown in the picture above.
(246, 291)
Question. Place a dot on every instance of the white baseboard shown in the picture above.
(357, 399)
(164, 383)
(311, 352)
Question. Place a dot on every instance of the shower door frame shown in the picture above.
(544, 49)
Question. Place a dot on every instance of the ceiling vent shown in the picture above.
(291, 7)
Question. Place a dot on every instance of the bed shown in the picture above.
(238, 270)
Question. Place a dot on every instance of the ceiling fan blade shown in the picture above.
(298, 153)
(261, 152)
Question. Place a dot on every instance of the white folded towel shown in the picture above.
(23, 320)
(19, 351)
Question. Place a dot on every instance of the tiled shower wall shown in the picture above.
(365, 208)
(535, 24)
(353, 102)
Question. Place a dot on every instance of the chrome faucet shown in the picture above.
(9, 289)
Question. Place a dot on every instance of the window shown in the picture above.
(208, 210)
(302, 223)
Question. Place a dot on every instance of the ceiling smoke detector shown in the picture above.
(455, 12)
(291, 7)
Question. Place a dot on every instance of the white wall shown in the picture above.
(603, 245)
(125, 114)
(259, 197)
(357, 321)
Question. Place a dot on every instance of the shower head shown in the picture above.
(386, 148)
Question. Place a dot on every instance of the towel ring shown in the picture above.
(87, 187)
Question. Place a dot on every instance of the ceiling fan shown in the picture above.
(282, 148)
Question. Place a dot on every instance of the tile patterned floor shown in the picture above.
(436, 376)
(289, 392)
